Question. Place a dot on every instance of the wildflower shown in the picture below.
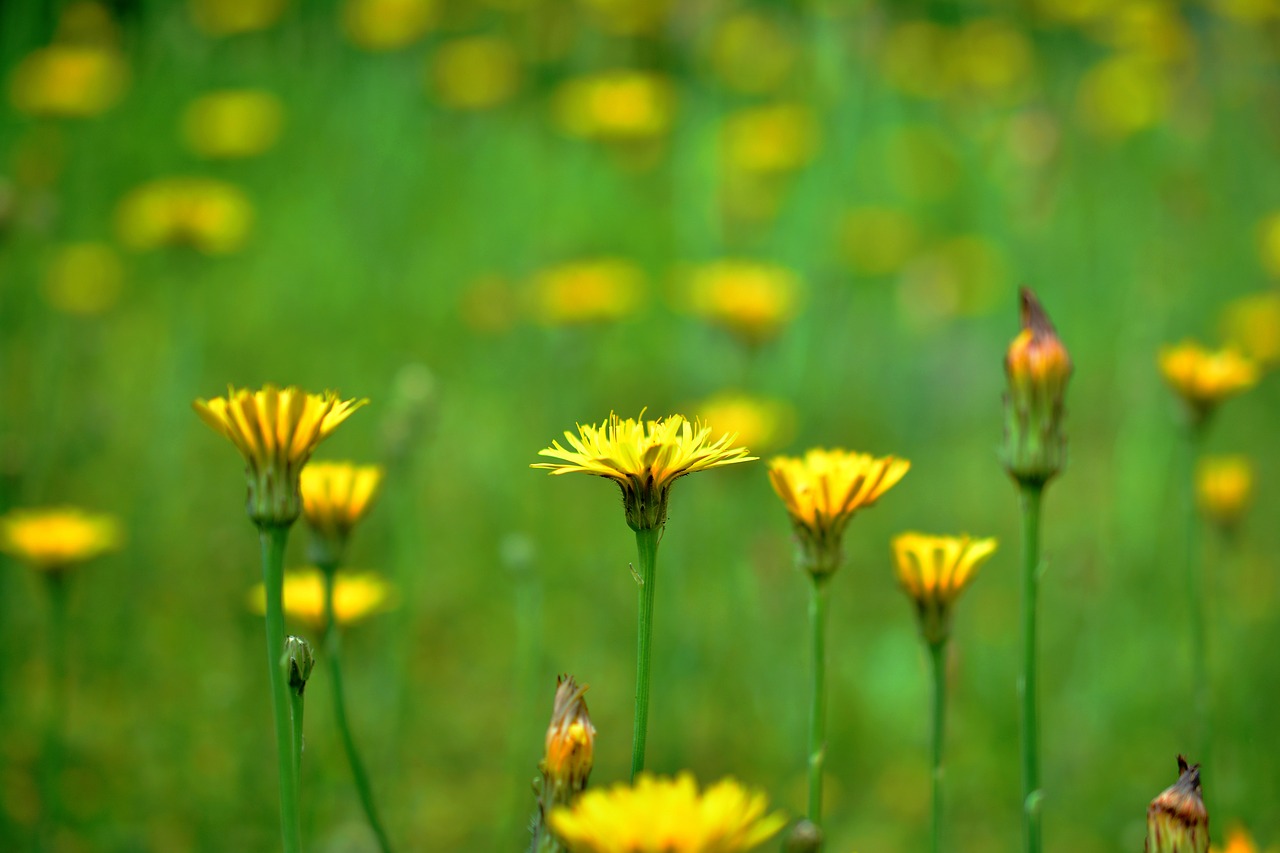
(1121, 96)
(587, 291)
(336, 495)
(1252, 323)
(1238, 841)
(476, 73)
(205, 214)
(913, 58)
(386, 25)
(991, 58)
(760, 423)
(770, 140)
(822, 491)
(616, 106)
(229, 17)
(667, 816)
(644, 458)
(1205, 378)
(356, 596)
(1177, 821)
(752, 300)
(53, 540)
(1224, 487)
(570, 738)
(68, 81)
(83, 278)
(1038, 367)
(934, 570)
(233, 123)
(276, 431)
(753, 53)
(878, 240)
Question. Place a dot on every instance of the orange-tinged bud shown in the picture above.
(1038, 367)
(570, 737)
(1177, 821)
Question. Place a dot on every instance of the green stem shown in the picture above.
(1194, 582)
(817, 695)
(295, 710)
(1031, 793)
(938, 657)
(55, 732)
(273, 539)
(647, 548)
(332, 643)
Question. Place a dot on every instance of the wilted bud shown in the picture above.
(1177, 821)
(804, 837)
(1038, 367)
(298, 662)
(566, 765)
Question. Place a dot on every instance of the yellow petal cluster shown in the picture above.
(230, 17)
(233, 123)
(667, 816)
(386, 25)
(68, 81)
(208, 215)
(1204, 378)
(934, 570)
(336, 495)
(356, 595)
(1224, 487)
(475, 73)
(593, 290)
(54, 539)
(751, 299)
(616, 106)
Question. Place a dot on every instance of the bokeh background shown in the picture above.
(803, 221)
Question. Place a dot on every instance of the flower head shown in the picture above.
(276, 431)
(336, 495)
(475, 73)
(356, 595)
(587, 291)
(1238, 841)
(667, 816)
(1177, 821)
(53, 540)
(233, 123)
(1204, 378)
(68, 81)
(570, 739)
(1038, 367)
(208, 215)
(822, 490)
(761, 423)
(1224, 486)
(934, 570)
(387, 25)
(751, 300)
(616, 106)
(644, 458)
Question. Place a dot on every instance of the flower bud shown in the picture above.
(1038, 367)
(570, 738)
(298, 662)
(1177, 821)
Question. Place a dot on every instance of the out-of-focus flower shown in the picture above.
(230, 17)
(476, 73)
(616, 106)
(958, 276)
(53, 540)
(1252, 323)
(587, 291)
(877, 240)
(356, 596)
(1148, 31)
(753, 53)
(83, 278)
(85, 22)
(627, 17)
(1224, 488)
(386, 25)
(1238, 841)
(753, 300)
(913, 58)
(1037, 367)
(68, 81)
(570, 738)
(1177, 821)
(991, 58)
(921, 161)
(1204, 378)
(1121, 96)
(205, 214)
(760, 423)
(1073, 12)
(335, 496)
(667, 816)
(1248, 11)
(1269, 244)
(233, 123)
(489, 304)
(772, 139)
(934, 570)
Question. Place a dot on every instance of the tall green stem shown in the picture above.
(817, 694)
(332, 643)
(55, 731)
(1194, 582)
(938, 657)
(1031, 793)
(647, 548)
(273, 540)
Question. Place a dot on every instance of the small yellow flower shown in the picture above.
(760, 423)
(1204, 378)
(336, 495)
(587, 291)
(68, 81)
(386, 25)
(821, 492)
(616, 106)
(1238, 841)
(750, 299)
(1252, 323)
(356, 596)
(1121, 96)
(934, 570)
(644, 458)
(84, 278)
(229, 17)
(208, 215)
(570, 738)
(753, 53)
(878, 240)
(770, 140)
(476, 73)
(1224, 487)
(52, 540)
(233, 124)
(276, 431)
(667, 816)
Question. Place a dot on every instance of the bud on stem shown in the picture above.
(1177, 821)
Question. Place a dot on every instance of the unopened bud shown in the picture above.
(804, 837)
(1177, 821)
(1038, 367)
(298, 662)
(570, 738)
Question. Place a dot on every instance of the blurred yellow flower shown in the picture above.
(1148, 30)
(83, 278)
(386, 25)
(1122, 95)
(208, 215)
(628, 17)
(1224, 488)
(587, 291)
(1238, 841)
(356, 595)
(667, 816)
(771, 139)
(760, 423)
(616, 106)
(877, 240)
(1204, 378)
(821, 492)
(233, 123)
(753, 53)
(1252, 323)
(53, 540)
(336, 495)
(230, 17)
(1269, 244)
(86, 22)
(913, 58)
(644, 458)
(68, 81)
(934, 570)
(476, 73)
(753, 300)
(1248, 12)
(962, 275)
(991, 58)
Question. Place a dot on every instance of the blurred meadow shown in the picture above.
(805, 222)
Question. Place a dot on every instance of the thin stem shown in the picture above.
(295, 711)
(938, 657)
(55, 731)
(1194, 582)
(647, 548)
(817, 694)
(273, 539)
(1031, 793)
(332, 643)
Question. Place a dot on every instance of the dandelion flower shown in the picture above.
(68, 81)
(475, 73)
(387, 25)
(592, 290)
(232, 124)
(1205, 378)
(336, 495)
(750, 299)
(356, 596)
(616, 106)
(934, 570)
(1224, 487)
(208, 215)
(53, 540)
(759, 422)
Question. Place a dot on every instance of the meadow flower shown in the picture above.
(770, 140)
(83, 278)
(386, 25)
(760, 423)
(591, 290)
(752, 300)
(1252, 324)
(1177, 821)
(667, 816)
(230, 17)
(616, 106)
(205, 214)
(276, 431)
(1205, 378)
(570, 738)
(644, 458)
(1037, 367)
(1122, 95)
(934, 570)
(475, 73)
(1224, 488)
(68, 81)
(1238, 841)
(877, 240)
(232, 124)
(53, 540)
(822, 490)
(753, 53)
(336, 495)
(356, 596)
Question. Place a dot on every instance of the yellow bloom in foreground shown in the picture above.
(336, 495)
(1204, 378)
(356, 595)
(667, 816)
(822, 490)
(68, 81)
(934, 570)
(55, 539)
(1224, 486)
(752, 300)
(276, 431)
(205, 214)
(587, 291)
(233, 123)
(644, 458)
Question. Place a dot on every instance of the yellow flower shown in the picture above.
(336, 495)
(934, 570)
(628, 17)
(1224, 487)
(68, 81)
(476, 73)
(1121, 96)
(644, 458)
(878, 240)
(1252, 323)
(587, 291)
(385, 25)
(991, 58)
(570, 739)
(667, 816)
(356, 595)
(229, 17)
(771, 139)
(55, 539)
(616, 106)
(233, 123)
(276, 431)
(208, 215)
(759, 423)
(752, 300)
(753, 53)
(84, 278)
(1238, 841)
(1204, 378)
(822, 490)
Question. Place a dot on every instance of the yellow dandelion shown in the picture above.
(878, 240)
(587, 291)
(822, 490)
(208, 215)
(1204, 378)
(934, 570)
(570, 738)
(230, 17)
(644, 458)
(356, 596)
(476, 73)
(1238, 841)
(752, 300)
(628, 17)
(991, 58)
(1224, 488)
(1252, 323)
(386, 25)
(68, 81)
(336, 495)
(276, 431)
(667, 816)
(753, 53)
(53, 540)
(759, 422)
(1121, 96)
(84, 278)
(770, 140)
(616, 106)
(233, 124)
(913, 58)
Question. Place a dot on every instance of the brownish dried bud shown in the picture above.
(1177, 821)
